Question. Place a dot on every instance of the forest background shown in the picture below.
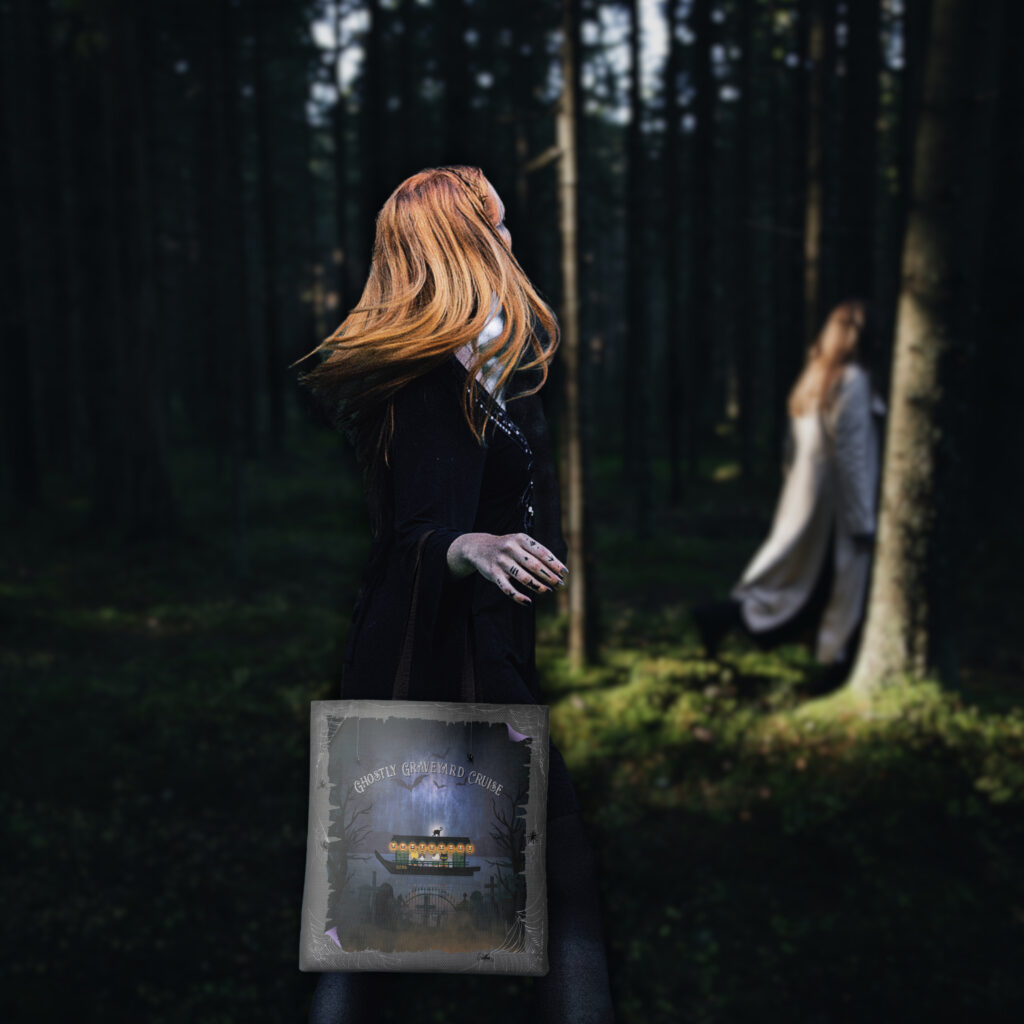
(187, 198)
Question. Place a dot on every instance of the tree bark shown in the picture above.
(407, 81)
(698, 363)
(346, 277)
(637, 367)
(457, 90)
(568, 190)
(271, 290)
(373, 134)
(899, 637)
(746, 248)
(858, 177)
(239, 377)
(20, 454)
(672, 232)
(813, 201)
(916, 15)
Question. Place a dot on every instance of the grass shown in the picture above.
(767, 851)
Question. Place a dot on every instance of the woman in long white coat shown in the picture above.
(824, 524)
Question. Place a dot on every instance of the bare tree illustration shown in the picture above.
(508, 832)
(353, 832)
(342, 848)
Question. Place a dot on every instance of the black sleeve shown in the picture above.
(437, 471)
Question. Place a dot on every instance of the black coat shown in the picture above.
(441, 477)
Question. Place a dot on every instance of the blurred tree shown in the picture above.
(636, 358)
(132, 492)
(702, 247)
(348, 269)
(568, 187)
(373, 132)
(812, 20)
(451, 19)
(902, 630)
(270, 290)
(19, 429)
(857, 154)
(675, 335)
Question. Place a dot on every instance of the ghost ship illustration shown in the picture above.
(428, 855)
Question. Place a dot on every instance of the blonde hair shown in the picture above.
(841, 341)
(439, 262)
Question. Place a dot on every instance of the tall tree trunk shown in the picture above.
(791, 127)
(746, 248)
(19, 433)
(859, 170)
(900, 636)
(213, 229)
(69, 292)
(372, 133)
(459, 147)
(349, 259)
(150, 508)
(131, 490)
(811, 10)
(94, 170)
(239, 377)
(637, 366)
(407, 82)
(674, 298)
(271, 290)
(915, 30)
(568, 192)
(46, 212)
(519, 203)
(697, 371)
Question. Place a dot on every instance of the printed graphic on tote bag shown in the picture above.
(427, 835)
(426, 844)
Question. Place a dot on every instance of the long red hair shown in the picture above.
(439, 262)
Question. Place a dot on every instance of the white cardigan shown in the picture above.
(830, 491)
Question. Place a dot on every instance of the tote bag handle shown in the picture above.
(401, 689)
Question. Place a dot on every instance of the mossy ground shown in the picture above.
(767, 850)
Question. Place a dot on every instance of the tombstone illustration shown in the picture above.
(384, 906)
(477, 903)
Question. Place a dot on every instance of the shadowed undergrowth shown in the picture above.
(765, 853)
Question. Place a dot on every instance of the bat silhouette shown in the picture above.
(408, 785)
(439, 786)
(445, 754)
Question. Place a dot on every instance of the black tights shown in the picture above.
(575, 988)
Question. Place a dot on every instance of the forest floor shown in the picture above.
(758, 862)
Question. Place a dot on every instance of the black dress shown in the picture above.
(441, 477)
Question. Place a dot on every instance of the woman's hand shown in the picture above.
(513, 558)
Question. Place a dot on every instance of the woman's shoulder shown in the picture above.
(855, 383)
(438, 383)
(431, 403)
(857, 389)
(854, 373)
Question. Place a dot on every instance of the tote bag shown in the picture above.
(425, 847)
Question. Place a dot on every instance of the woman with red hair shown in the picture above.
(434, 378)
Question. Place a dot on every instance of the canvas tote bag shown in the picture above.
(425, 847)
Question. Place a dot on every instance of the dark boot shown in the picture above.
(714, 620)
